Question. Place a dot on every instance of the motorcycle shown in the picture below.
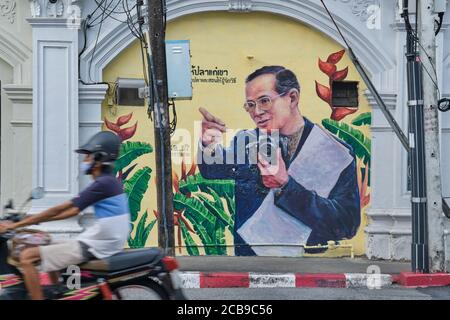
(133, 274)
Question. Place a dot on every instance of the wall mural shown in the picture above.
(245, 208)
(136, 185)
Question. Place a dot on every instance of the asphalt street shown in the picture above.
(394, 293)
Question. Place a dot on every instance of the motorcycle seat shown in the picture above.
(126, 259)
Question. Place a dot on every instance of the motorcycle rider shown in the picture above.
(106, 237)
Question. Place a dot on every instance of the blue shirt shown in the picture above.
(110, 231)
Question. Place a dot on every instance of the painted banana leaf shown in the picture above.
(142, 233)
(201, 219)
(193, 206)
(363, 119)
(136, 187)
(361, 144)
(198, 183)
(191, 247)
(220, 238)
(231, 206)
(130, 151)
(217, 209)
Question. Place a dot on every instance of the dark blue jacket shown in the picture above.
(334, 218)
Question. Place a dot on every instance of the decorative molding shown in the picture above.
(55, 10)
(371, 53)
(61, 9)
(92, 93)
(91, 124)
(48, 22)
(390, 99)
(388, 236)
(19, 93)
(240, 6)
(400, 26)
(17, 54)
(359, 7)
(8, 10)
(21, 124)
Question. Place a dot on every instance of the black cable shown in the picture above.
(105, 10)
(440, 22)
(107, 5)
(115, 9)
(84, 27)
(173, 123)
(95, 49)
(130, 22)
(417, 41)
(431, 78)
(335, 24)
(417, 12)
(98, 7)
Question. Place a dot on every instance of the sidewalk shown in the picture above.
(270, 272)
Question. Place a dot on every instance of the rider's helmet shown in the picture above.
(104, 146)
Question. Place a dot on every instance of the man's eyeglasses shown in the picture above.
(264, 103)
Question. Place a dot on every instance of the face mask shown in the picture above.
(86, 167)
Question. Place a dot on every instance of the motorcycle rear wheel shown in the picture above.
(142, 289)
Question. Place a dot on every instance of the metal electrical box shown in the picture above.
(179, 74)
(345, 94)
(127, 92)
(179, 77)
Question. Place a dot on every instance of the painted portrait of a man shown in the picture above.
(303, 192)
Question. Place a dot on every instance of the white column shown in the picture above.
(90, 122)
(55, 110)
(18, 146)
(389, 230)
(90, 115)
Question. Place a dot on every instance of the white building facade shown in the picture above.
(46, 112)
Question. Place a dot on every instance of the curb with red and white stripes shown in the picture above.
(191, 280)
(197, 280)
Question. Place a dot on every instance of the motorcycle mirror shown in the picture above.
(9, 205)
(37, 193)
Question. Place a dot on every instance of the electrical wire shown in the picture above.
(113, 11)
(95, 47)
(335, 24)
(417, 42)
(131, 24)
(84, 28)
(108, 14)
(173, 123)
(439, 22)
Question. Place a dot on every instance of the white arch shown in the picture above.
(308, 12)
(16, 54)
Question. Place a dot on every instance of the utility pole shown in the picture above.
(158, 79)
(426, 30)
(419, 245)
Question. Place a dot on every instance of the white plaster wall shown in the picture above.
(6, 177)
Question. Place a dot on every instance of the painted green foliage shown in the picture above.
(204, 208)
(136, 184)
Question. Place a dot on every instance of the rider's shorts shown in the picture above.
(59, 256)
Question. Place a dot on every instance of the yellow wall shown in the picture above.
(239, 43)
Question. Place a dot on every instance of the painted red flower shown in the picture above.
(125, 133)
(325, 93)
